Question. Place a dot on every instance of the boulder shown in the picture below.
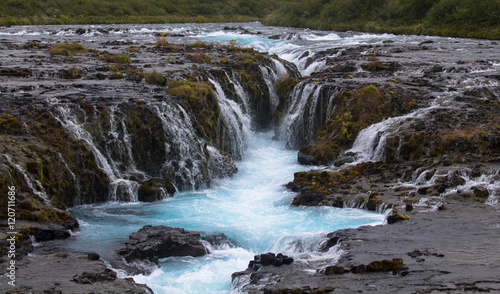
(50, 233)
(155, 242)
(334, 270)
(481, 193)
(396, 217)
(155, 189)
(269, 258)
(385, 265)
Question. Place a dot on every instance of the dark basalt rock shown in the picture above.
(90, 278)
(396, 217)
(267, 259)
(155, 242)
(358, 269)
(51, 233)
(394, 266)
(93, 256)
(155, 189)
(334, 270)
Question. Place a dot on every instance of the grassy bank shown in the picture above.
(80, 19)
(457, 18)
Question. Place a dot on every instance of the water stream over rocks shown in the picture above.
(220, 131)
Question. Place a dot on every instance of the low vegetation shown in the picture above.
(67, 49)
(203, 102)
(464, 18)
(116, 58)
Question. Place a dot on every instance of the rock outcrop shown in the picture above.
(155, 242)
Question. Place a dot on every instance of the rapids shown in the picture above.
(252, 208)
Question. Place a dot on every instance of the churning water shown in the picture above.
(252, 209)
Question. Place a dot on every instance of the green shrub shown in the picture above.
(116, 58)
(67, 49)
(155, 78)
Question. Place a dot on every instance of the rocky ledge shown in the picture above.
(437, 251)
(49, 269)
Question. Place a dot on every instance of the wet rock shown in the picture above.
(358, 269)
(461, 196)
(51, 232)
(155, 242)
(306, 159)
(90, 278)
(372, 203)
(80, 31)
(330, 242)
(93, 256)
(267, 259)
(481, 193)
(344, 160)
(155, 189)
(334, 270)
(385, 265)
(396, 217)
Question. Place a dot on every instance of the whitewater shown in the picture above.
(252, 209)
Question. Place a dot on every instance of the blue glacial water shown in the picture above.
(252, 208)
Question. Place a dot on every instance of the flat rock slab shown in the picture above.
(447, 251)
(63, 272)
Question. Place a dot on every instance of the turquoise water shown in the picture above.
(252, 208)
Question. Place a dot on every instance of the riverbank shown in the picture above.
(451, 250)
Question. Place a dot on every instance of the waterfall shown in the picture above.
(305, 115)
(236, 128)
(238, 87)
(121, 188)
(270, 78)
(371, 142)
(35, 185)
(186, 156)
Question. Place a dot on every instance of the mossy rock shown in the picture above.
(67, 49)
(384, 265)
(334, 270)
(396, 217)
(202, 101)
(155, 78)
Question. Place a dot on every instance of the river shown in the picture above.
(252, 207)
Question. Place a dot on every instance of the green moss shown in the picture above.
(326, 183)
(249, 58)
(74, 73)
(9, 124)
(116, 58)
(155, 78)
(202, 101)
(199, 57)
(117, 76)
(200, 44)
(67, 49)
(48, 215)
(373, 66)
(354, 112)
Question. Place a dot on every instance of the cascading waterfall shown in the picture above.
(188, 163)
(270, 77)
(306, 113)
(121, 188)
(236, 125)
(35, 185)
